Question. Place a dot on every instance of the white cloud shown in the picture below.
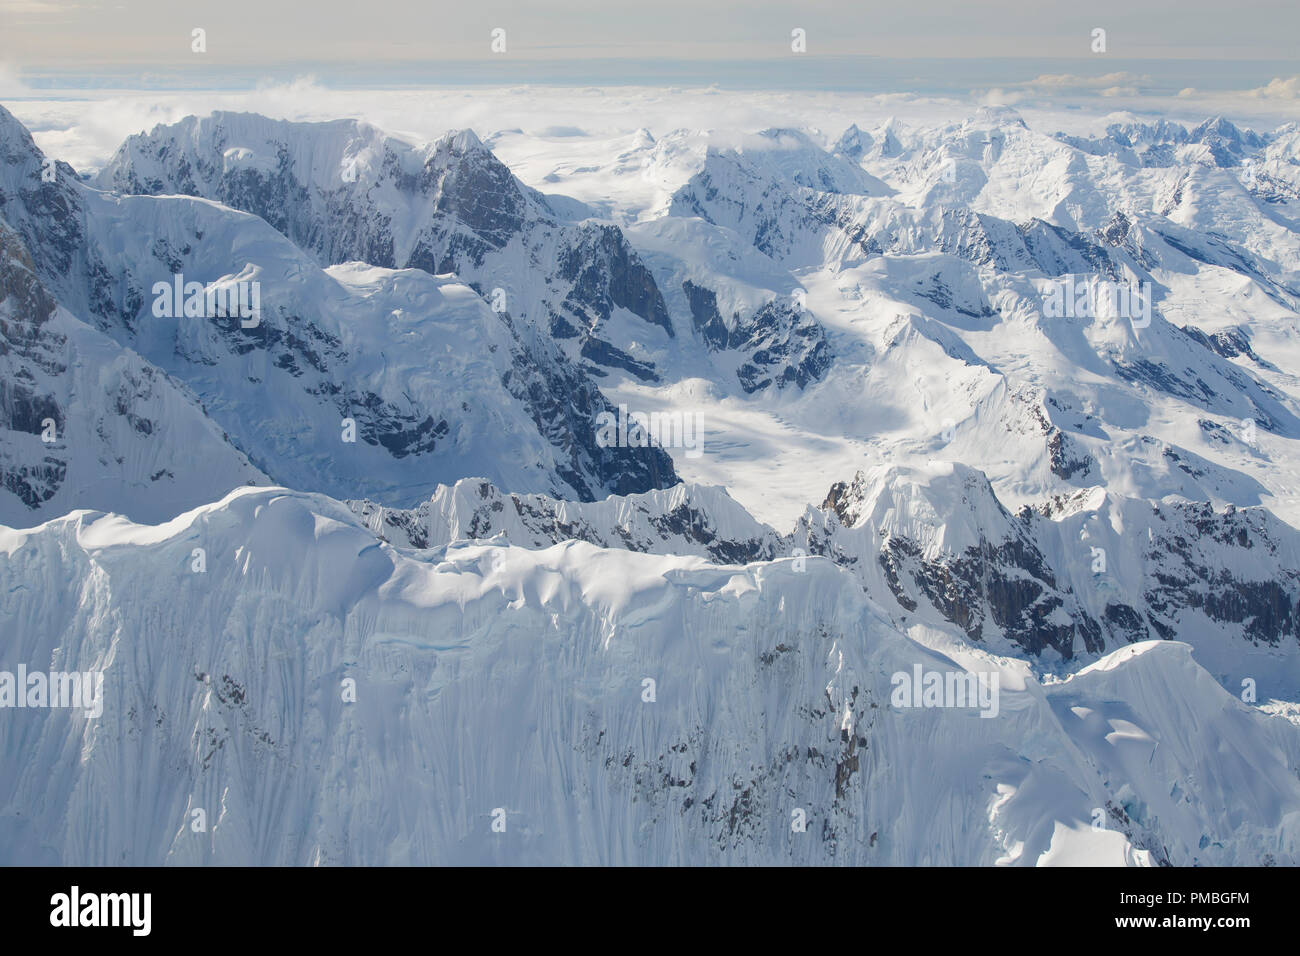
(1108, 84)
(999, 97)
(1278, 88)
(86, 128)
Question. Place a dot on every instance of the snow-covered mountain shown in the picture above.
(324, 698)
(1216, 142)
(1068, 582)
(345, 191)
(924, 319)
(432, 382)
(1013, 407)
(86, 422)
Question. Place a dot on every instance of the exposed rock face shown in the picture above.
(1235, 566)
(983, 571)
(782, 344)
(606, 274)
(30, 353)
(565, 406)
(344, 191)
(1043, 579)
(85, 423)
(319, 346)
(46, 214)
(941, 546)
(685, 519)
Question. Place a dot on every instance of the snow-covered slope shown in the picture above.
(1059, 586)
(345, 191)
(494, 683)
(915, 268)
(971, 397)
(1082, 576)
(352, 380)
(88, 423)
(919, 317)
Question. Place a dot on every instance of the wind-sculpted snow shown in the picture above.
(493, 682)
(1077, 578)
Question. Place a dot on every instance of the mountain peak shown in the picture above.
(463, 141)
(15, 139)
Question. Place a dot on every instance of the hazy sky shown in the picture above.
(67, 35)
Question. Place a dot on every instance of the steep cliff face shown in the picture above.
(345, 191)
(315, 696)
(780, 343)
(29, 349)
(1077, 577)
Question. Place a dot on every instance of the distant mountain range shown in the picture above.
(362, 567)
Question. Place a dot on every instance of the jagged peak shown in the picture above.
(15, 135)
(918, 498)
(701, 519)
(462, 141)
(853, 142)
(1219, 124)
